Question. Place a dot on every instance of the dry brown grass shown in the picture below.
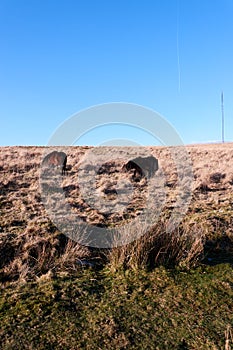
(228, 338)
(26, 257)
(183, 247)
(31, 246)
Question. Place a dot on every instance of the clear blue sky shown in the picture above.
(61, 56)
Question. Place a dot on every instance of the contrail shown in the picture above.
(177, 44)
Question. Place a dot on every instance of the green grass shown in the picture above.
(158, 309)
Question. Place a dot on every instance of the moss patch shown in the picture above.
(160, 309)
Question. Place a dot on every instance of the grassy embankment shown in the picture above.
(160, 292)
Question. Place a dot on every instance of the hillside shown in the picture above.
(23, 212)
(40, 263)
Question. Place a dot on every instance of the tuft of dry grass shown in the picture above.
(228, 338)
(183, 247)
(30, 256)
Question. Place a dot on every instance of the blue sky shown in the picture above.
(60, 57)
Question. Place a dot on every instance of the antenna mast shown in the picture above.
(222, 107)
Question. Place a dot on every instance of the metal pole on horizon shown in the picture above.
(222, 106)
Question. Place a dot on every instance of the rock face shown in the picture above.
(142, 166)
(55, 158)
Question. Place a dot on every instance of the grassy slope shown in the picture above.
(160, 309)
(48, 302)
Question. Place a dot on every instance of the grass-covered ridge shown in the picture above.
(162, 291)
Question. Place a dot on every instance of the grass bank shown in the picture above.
(159, 291)
(159, 309)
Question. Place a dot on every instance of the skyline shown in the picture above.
(59, 58)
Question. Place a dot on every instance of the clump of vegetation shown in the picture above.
(27, 257)
(183, 246)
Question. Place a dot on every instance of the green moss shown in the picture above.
(161, 309)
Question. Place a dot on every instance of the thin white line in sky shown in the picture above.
(177, 44)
